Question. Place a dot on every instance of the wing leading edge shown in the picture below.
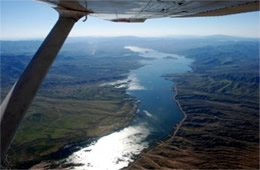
(140, 10)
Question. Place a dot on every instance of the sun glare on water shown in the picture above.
(114, 151)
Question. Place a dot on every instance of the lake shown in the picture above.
(155, 119)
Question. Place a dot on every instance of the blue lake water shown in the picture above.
(156, 117)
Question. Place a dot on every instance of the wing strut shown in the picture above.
(19, 98)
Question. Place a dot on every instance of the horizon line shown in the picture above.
(137, 36)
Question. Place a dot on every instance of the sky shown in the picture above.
(28, 19)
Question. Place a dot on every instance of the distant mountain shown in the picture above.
(81, 46)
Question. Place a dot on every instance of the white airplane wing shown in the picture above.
(140, 10)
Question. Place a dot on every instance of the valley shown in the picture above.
(220, 99)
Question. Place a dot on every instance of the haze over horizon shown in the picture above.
(27, 19)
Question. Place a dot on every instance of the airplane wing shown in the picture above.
(140, 10)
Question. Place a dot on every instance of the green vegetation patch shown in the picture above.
(71, 105)
(52, 122)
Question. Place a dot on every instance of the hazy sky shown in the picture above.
(28, 19)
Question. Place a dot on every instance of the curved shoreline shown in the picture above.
(183, 112)
(49, 162)
(145, 151)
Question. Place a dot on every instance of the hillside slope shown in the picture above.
(221, 101)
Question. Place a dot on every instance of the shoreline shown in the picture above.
(162, 142)
(183, 112)
(48, 163)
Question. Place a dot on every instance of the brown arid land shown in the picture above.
(220, 99)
